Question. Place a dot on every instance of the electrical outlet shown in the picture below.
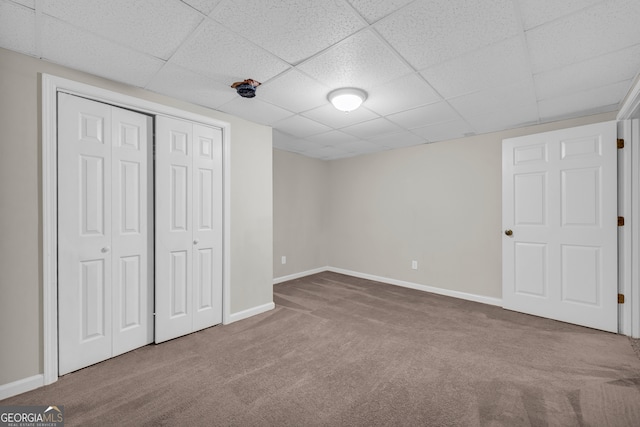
(414, 265)
(284, 259)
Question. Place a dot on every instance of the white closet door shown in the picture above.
(84, 232)
(188, 228)
(174, 242)
(207, 230)
(95, 290)
(132, 231)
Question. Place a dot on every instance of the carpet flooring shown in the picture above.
(343, 351)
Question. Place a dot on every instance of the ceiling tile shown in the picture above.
(333, 138)
(85, 51)
(294, 91)
(282, 141)
(428, 114)
(327, 153)
(538, 12)
(398, 140)
(300, 126)
(204, 6)
(598, 30)
(592, 101)
(372, 128)
(361, 147)
(401, 94)
(296, 145)
(314, 25)
(360, 61)
(17, 28)
(498, 99)
(186, 85)
(347, 155)
(216, 52)
(507, 118)
(374, 10)
(31, 4)
(330, 116)
(138, 24)
(444, 131)
(592, 73)
(430, 32)
(255, 110)
(496, 65)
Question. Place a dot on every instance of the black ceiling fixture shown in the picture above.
(247, 88)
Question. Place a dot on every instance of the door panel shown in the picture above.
(92, 195)
(560, 201)
(92, 300)
(178, 285)
(531, 269)
(529, 199)
(581, 266)
(131, 290)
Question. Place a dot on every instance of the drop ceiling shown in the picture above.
(434, 70)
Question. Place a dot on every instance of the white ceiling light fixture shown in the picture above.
(347, 99)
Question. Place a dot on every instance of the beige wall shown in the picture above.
(438, 204)
(300, 213)
(21, 220)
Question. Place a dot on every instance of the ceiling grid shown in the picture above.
(433, 70)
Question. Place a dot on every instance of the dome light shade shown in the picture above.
(347, 99)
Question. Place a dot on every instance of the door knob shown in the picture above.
(195, 242)
(105, 249)
(508, 233)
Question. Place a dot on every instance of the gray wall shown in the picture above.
(438, 204)
(21, 354)
(300, 213)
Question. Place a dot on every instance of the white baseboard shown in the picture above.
(299, 275)
(402, 283)
(433, 290)
(21, 386)
(234, 317)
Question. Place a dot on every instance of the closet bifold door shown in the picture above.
(105, 295)
(188, 220)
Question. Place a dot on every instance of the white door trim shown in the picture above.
(630, 110)
(50, 86)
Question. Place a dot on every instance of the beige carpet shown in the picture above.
(341, 351)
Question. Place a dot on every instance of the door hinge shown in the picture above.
(620, 221)
(620, 298)
(620, 143)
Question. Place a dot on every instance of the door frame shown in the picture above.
(629, 206)
(50, 86)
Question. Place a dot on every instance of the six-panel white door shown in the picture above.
(559, 217)
(105, 280)
(188, 227)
